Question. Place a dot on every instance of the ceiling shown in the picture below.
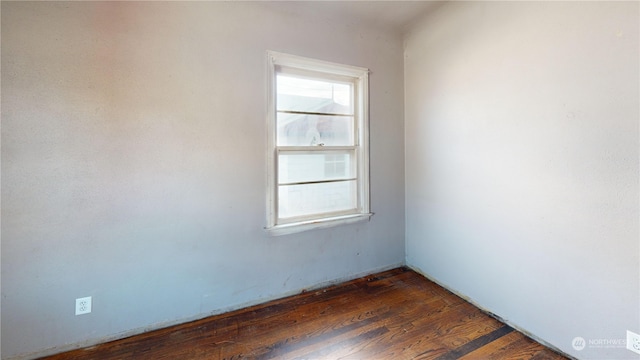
(399, 15)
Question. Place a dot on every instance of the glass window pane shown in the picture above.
(316, 166)
(319, 96)
(312, 130)
(303, 200)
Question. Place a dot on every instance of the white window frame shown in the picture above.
(360, 78)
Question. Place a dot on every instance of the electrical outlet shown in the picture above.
(83, 305)
(633, 342)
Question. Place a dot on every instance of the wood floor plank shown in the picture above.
(523, 348)
(476, 343)
(396, 314)
(491, 348)
(430, 334)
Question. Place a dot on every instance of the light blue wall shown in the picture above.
(522, 164)
(133, 165)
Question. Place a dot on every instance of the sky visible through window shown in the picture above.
(339, 93)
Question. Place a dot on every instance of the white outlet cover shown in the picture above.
(633, 342)
(83, 305)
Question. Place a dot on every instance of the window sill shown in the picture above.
(317, 224)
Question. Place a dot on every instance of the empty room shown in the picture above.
(320, 180)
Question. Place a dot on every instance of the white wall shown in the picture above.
(133, 165)
(522, 163)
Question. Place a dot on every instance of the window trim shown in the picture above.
(361, 116)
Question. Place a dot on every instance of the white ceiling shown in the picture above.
(394, 14)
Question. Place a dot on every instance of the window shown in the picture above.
(318, 165)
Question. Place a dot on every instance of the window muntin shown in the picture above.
(318, 167)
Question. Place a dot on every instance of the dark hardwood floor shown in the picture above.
(397, 314)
